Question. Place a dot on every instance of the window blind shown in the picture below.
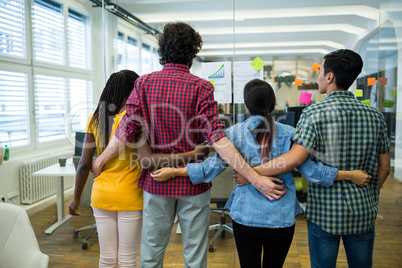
(48, 32)
(119, 52)
(78, 40)
(81, 105)
(155, 60)
(14, 120)
(132, 55)
(12, 28)
(146, 59)
(50, 107)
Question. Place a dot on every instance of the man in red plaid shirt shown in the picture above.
(178, 112)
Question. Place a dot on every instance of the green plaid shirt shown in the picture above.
(347, 134)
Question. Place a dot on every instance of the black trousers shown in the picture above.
(251, 240)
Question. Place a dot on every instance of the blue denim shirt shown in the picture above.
(246, 204)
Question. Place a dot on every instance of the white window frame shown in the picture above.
(31, 67)
(141, 37)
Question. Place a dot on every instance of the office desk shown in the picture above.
(58, 172)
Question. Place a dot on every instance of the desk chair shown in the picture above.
(222, 187)
(18, 244)
(85, 200)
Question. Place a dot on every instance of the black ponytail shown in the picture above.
(260, 99)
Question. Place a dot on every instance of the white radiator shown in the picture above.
(34, 189)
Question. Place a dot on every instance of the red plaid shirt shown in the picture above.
(178, 111)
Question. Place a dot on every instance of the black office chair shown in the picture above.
(88, 227)
(222, 187)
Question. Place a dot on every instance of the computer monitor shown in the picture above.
(79, 143)
(297, 111)
(287, 118)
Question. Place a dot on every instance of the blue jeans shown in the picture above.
(324, 248)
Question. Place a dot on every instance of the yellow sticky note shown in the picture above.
(315, 67)
(298, 82)
(388, 103)
(366, 102)
(371, 81)
(257, 64)
(213, 83)
(394, 92)
(359, 93)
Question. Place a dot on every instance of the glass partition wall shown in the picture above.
(289, 46)
(390, 70)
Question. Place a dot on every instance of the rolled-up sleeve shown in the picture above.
(208, 114)
(207, 170)
(316, 172)
(131, 123)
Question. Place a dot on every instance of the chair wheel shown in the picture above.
(75, 234)
(84, 245)
(211, 248)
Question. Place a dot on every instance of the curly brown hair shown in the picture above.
(178, 43)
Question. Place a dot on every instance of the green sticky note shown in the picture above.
(394, 92)
(359, 93)
(366, 102)
(388, 103)
(213, 83)
(257, 64)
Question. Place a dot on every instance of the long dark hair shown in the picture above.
(114, 96)
(260, 99)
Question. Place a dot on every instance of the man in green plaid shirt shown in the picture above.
(347, 134)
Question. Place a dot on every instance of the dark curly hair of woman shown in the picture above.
(178, 43)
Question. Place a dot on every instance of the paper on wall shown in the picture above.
(243, 72)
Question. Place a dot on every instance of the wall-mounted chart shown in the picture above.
(243, 73)
(219, 74)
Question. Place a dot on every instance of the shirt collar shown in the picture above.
(253, 121)
(176, 67)
(341, 94)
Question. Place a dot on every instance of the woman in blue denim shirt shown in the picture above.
(258, 222)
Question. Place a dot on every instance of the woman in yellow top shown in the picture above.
(116, 199)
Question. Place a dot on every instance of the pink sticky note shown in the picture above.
(383, 81)
(298, 82)
(371, 81)
(305, 97)
(315, 67)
